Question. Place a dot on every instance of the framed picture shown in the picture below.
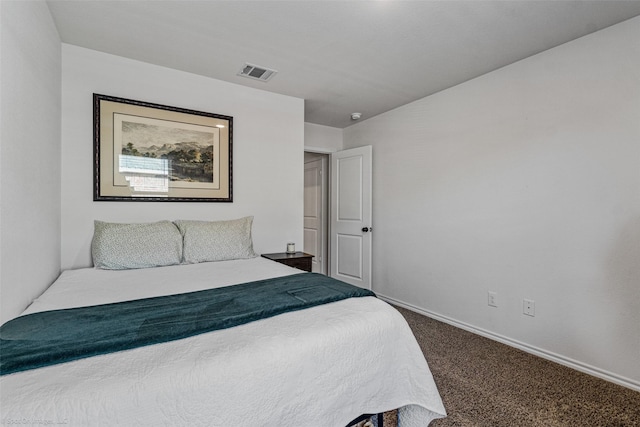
(151, 152)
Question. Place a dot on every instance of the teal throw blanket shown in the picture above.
(58, 336)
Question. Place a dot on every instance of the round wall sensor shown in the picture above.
(355, 116)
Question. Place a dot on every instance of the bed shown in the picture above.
(319, 366)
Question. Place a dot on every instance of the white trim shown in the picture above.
(554, 357)
(319, 150)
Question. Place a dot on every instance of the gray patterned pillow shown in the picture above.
(124, 246)
(216, 240)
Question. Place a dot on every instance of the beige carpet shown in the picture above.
(485, 383)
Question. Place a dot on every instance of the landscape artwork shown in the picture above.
(187, 152)
(152, 152)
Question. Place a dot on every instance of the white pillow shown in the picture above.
(205, 241)
(123, 246)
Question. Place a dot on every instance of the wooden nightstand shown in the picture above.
(299, 260)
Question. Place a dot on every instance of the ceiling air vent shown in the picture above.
(255, 72)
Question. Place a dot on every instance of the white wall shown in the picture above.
(29, 154)
(526, 182)
(268, 150)
(322, 139)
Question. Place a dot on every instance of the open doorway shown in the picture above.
(316, 210)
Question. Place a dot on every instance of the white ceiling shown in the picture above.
(340, 56)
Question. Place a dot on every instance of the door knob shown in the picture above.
(366, 229)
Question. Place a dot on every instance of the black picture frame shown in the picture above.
(147, 152)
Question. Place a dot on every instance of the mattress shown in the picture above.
(322, 366)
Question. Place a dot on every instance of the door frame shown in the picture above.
(325, 157)
(327, 207)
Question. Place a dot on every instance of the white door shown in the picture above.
(351, 216)
(313, 214)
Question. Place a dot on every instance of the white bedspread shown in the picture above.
(322, 366)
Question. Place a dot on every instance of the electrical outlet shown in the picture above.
(492, 299)
(529, 307)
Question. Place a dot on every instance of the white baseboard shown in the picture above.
(574, 364)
